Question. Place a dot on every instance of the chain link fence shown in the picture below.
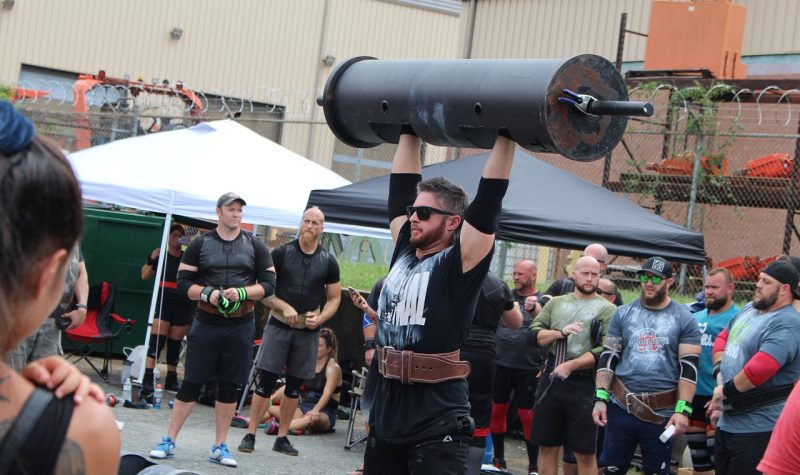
(716, 160)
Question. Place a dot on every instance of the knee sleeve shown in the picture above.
(499, 412)
(616, 469)
(266, 381)
(526, 419)
(156, 340)
(698, 447)
(226, 392)
(710, 446)
(189, 392)
(292, 390)
(173, 351)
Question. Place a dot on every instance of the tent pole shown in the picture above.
(159, 269)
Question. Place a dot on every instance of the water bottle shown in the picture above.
(157, 397)
(157, 374)
(126, 390)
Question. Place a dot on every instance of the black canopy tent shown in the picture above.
(544, 205)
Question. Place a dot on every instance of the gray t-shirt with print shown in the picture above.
(650, 339)
(776, 333)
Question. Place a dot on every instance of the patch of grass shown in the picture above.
(360, 276)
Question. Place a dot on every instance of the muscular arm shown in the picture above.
(475, 245)
(512, 318)
(81, 293)
(605, 375)
(334, 297)
(406, 160)
(686, 389)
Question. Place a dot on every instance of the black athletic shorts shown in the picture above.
(219, 352)
(521, 381)
(290, 349)
(176, 313)
(698, 417)
(564, 414)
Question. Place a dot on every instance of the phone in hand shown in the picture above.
(352, 290)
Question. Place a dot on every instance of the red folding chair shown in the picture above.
(95, 330)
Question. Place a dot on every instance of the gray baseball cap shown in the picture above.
(229, 198)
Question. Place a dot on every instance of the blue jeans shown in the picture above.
(623, 432)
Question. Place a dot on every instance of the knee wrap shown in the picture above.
(710, 446)
(698, 447)
(499, 412)
(526, 419)
(173, 351)
(226, 392)
(266, 382)
(292, 390)
(189, 392)
(156, 339)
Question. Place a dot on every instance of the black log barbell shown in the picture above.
(577, 107)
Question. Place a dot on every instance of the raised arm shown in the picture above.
(406, 173)
(480, 219)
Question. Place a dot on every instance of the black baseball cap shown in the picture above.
(658, 266)
(785, 273)
(229, 198)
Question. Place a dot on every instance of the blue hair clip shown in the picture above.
(16, 131)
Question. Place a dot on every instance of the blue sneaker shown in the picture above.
(221, 455)
(164, 450)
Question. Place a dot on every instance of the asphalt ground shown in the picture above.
(319, 453)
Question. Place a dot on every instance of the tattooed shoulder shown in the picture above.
(70, 460)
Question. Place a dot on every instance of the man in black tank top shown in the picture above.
(226, 270)
(307, 295)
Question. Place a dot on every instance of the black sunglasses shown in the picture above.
(424, 212)
(603, 292)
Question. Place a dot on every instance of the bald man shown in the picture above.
(572, 328)
(566, 285)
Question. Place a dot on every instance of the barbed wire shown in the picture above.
(124, 97)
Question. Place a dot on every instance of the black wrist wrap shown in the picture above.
(402, 192)
(484, 211)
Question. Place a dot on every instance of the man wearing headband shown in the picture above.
(646, 375)
(758, 358)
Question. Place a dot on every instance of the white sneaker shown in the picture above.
(221, 455)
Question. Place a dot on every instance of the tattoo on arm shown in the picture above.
(613, 343)
(605, 378)
(70, 460)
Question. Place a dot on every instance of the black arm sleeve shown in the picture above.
(402, 192)
(484, 211)
(185, 281)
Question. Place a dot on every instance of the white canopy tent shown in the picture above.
(184, 172)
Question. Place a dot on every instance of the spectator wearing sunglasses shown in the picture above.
(647, 374)
(420, 413)
(607, 289)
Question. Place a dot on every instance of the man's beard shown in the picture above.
(587, 289)
(659, 298)
(308, 238)
(425, 241)
(767, 301)
(523, 285)
(716, 303)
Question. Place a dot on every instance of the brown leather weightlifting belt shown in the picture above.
(643, 405)
(244, 308)
(410, 367)
(301, 318)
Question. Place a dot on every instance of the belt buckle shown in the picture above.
(382, 360)
(628, 397)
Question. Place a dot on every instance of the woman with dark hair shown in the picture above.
(319, 396)
(173, 317)
(40, 222)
